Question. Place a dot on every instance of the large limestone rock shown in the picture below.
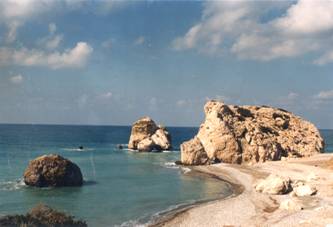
(147, 136)
(52, 171)
(242, 134)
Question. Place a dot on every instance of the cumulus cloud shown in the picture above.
(70, 58)
(325, 58)
(248, 29)
(325, 95)
(52, 40)
(308, 17)
(12, 30)
(16, 79)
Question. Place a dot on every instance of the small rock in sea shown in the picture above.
(178, 163)
(120, 147)
(275, 185)
(147, 136)
(52, 171)
(41, 216)
(80, 147)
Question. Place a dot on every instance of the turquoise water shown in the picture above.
(122, 187)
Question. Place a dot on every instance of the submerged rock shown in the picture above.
(52, 171)
(249, 134)
(147, 136)
(41, 216)
(274, 185)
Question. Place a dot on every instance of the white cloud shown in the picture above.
(308, 16)
(325, 58)
(140, 40)
(106, 95)
(107, 44)
(70, 58)
(17, 79)
(12, 30)
(325, 95)
(53, 42)
(238, 27)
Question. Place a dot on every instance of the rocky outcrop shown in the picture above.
(249, 134)
(147, 136)
(52, 171)
(41, 216)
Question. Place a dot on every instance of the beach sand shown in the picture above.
(250, 208)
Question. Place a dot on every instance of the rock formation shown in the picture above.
(147, 136)
(41, 216)
(52, 171)
(249, 134)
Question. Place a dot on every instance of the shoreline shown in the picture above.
(166, 216)
(250, 208)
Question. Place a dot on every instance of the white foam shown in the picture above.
(78, 149)
(12, 185)
(171, 165)
(185, 170)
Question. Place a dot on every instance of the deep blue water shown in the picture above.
(122, 186)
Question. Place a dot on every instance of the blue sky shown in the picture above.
(107, 62)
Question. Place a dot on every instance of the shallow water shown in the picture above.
(122, 187)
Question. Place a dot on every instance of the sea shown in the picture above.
(122, 187)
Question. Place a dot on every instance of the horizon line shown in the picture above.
(92, 125)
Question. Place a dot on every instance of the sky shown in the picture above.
(112, 62)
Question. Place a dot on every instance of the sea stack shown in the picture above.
(146, 136)
(250, 134)
(52, 171)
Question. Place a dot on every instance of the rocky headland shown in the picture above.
(250, 134)
(146, 136)
(52, 171)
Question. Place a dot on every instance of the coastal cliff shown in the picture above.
(250, 134)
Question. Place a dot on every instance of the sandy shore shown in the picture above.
(250, 208)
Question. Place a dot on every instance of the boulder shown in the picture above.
(52, 171)
(301, 189)
(194, 153)
(41, 216)
(250, 134)
(147, 136)
(274, 185)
